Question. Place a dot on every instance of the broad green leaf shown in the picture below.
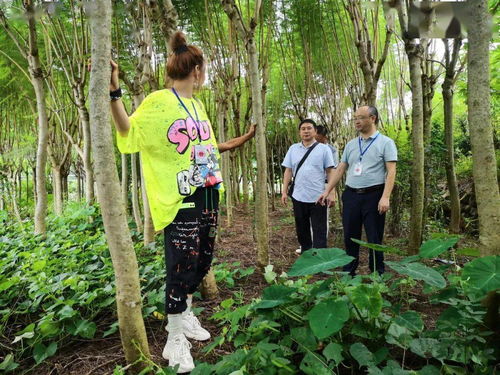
(367, 298)
(67, 312)
(269, 274)
(361, 354)
(449, 319)
(274, 295)
(469, 252)
(8, 283)
(304, 337)
(39, 265)
(328, 317)
(418, 271)
(42, 352)
(85, 329)
(429, 370)
(8, 364)
(319, 260)
(410, 320)
(483, 273)
(378, 247)
(425, 347)
(48, 327)
(433, 248)
(333, 352)
(313, 364)
(26, 335)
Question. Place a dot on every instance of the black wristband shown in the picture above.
(115, 95)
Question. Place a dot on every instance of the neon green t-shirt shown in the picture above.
(169, 140)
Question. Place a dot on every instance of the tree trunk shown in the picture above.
(484, 168)
(135, 194)
(417, 183)
(451, 177)
(36, 76)
(149, 230)
(128, 297)
(124, 181)
(225, 161)
(208, 287)
(57, 190)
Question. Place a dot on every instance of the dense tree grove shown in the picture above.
(271, 63)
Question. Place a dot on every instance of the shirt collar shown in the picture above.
(371, 136)
(308, 147)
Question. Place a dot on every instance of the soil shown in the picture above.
(235, 244)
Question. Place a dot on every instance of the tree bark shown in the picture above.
(124, 182)
(484, 168)
(451, 177)
(261, 198)
(128, 297)
(135, 193)
(57, 190)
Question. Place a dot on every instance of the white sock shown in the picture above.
(174, 324)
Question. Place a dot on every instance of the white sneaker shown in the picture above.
(177, 351)
(191, 327)
(298, 251)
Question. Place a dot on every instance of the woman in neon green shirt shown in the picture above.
(180, 157)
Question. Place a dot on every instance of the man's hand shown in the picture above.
(114, 84)
(284, 198)
(332, 198)
(251, 131)
(322, 198)
(383, 205)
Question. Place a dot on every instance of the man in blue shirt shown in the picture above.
(309, 184)
(322, 137)
(370, 160)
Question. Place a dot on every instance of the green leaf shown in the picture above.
(42, 352)
(333, 351)
(85, 329)
(48, 327)
(483, 273)
(378, 247)
(269, 274)
(67, 312)
(469, 252)
(361, 354)
(424, 347)
(312, 365)
(367, 298)
(410, 320)
(328, 317)
(418, 271)
(8, 283)
(39, 265)
(433, 248)
(304, 337)
(26, 335)
(429, 370)
(8, 364)
(319, 260)
(274, 295)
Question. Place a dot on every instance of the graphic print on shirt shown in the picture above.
(183, 131)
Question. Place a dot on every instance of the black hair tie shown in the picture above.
(181, 49)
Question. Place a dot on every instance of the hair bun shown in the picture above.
(178, 41)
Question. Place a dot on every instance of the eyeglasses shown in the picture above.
(359, 118)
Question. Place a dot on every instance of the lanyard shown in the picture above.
(361, 151)
(197, 121)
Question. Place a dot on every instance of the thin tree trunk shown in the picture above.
(451, 178)
(484, 168)
(135, 194)
(128, 297)
(417, 181)
(124, 181)
(149, 230)
(57, 190)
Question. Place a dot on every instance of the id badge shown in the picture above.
(200, 154)
(358, 169)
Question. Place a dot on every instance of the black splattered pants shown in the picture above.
(189, 246)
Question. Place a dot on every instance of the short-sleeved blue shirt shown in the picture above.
(382, 150)
(335, 154)
(310, 180)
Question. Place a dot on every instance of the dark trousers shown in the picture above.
(307, 216)
(362, 210)
(189, 246)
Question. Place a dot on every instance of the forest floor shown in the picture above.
(236, 244)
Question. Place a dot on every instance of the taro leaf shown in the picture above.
(394, 368)
(483, 273)
(67, 312)
(378, 247)
(312, 364)
(333, 351)
(410, 320)
(367, 298)
(85, 329)
(8, 364)
(48, 327)
(304, 337)
(449, 319)
(42, 352)
(319, 260)
(274, 295)
(433, 248)
(425, 347)
(418, 271)
(361, 354)
(25, 335)
(328, 317)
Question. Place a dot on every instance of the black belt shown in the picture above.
(365, 190)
